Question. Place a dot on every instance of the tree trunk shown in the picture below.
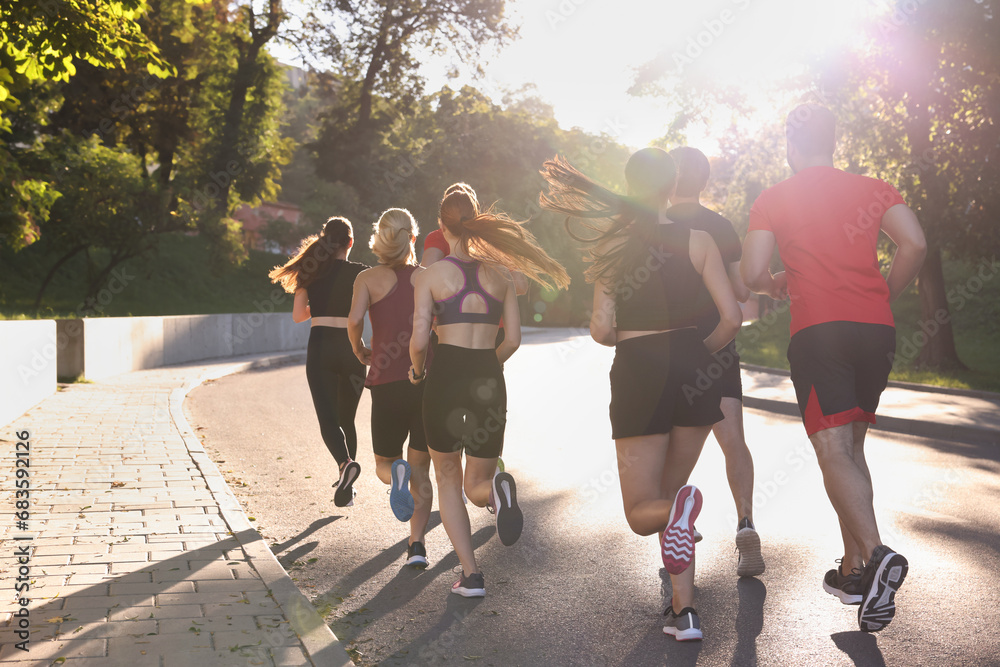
(939, 351)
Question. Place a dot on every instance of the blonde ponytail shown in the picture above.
(393, 237)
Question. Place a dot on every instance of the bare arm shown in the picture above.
(356, 318)
(430, 256)
(736, 281)
(708, 262)
(300, 307)
(511, 325)
(901, 225)
(423, 305)
(602, 319)
(757, 250)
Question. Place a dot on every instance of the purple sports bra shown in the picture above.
(449, 311)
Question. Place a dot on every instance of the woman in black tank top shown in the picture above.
(322, 281)
(648, 275)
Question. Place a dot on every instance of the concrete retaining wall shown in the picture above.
(28, 360)
(101, 347)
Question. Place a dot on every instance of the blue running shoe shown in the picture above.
(400, 498)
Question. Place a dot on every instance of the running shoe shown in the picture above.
(751, 561)
(881, 578)
(344, 495)
(678, 537)
(416, 555)
(846, 587)
(400, 499)
(503, 499)
(685, 626)
(500, 466)
(471, 586)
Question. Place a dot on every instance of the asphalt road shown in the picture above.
(580, 588)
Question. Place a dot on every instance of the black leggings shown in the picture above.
(336, 379)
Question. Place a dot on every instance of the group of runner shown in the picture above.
(435, 361)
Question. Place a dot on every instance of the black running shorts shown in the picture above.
(465, 402)
(660, 381)
(839, 370)
(397, 413)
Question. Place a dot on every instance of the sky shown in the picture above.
(582, 56)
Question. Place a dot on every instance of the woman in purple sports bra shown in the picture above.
(385, 292)
(465, 398)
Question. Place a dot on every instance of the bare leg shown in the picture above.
(739, 463)
(854, 555)
(648, 468)
(848, 486)
(479, 479)
(683, 451)
(448, 471)
(423, 492)
(383, 468)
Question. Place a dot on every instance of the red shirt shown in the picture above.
(436, 239)
(826, 223)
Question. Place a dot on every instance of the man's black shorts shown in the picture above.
(839, 370)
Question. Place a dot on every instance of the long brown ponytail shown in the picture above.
(313, 257)
(492, 236)
(620, 227)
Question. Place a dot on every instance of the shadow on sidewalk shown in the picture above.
(189, 603)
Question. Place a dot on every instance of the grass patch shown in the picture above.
(974, 294)
(176, 278)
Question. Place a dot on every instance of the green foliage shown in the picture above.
(46, 41)
(177, 277)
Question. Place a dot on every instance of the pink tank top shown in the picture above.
(392, 325)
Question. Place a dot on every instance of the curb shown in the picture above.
(969, 435)
(322, 646)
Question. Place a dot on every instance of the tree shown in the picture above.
(45, 42)
(922, 105)
(376, 45)
(209, 137)
(104, 203)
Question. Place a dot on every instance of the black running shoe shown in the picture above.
(344, 495)
(471, 586)
(416, 555)
(882, 577)
(685, 626)
(846, 587)
(510, 520)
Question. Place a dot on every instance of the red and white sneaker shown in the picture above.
(677, 547)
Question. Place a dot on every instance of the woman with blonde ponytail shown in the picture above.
(385, 293)
(322, 281)
(465, 400)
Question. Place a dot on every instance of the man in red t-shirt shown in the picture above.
(826, 223)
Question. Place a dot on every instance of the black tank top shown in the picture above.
(330, 294)
(660, 290)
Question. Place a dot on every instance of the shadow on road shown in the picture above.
(288, 559)
(749, 620)
(861, 647)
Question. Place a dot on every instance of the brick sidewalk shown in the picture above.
(138, 552)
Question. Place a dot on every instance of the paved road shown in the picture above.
(579, 588)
